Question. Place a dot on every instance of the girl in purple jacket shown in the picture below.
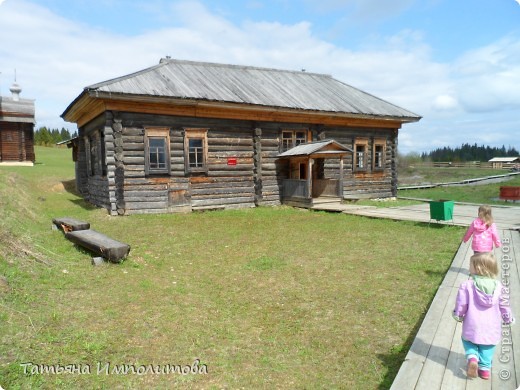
(484, 231)
(482, 306)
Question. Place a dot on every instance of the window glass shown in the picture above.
(290, 139)
(378, 156)
(196, 152)
(157, 153)
(360, 154)
(301, 138)
(286, 140)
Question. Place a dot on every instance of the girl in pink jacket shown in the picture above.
(482, 305)
(484, 231)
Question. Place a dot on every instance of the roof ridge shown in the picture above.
(165, 61)
(224, 65)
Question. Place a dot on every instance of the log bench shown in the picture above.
(106, 247)
(70, 224)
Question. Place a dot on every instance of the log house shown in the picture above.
(183, 135)
(17, 120)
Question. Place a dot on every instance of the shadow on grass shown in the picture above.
(84, 204)
(395, 358)
(456, 270)
(70, 186)
(435, 225)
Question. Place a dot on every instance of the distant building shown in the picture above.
(16, 129)
(499, 162)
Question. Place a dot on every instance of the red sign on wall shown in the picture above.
(232, 161)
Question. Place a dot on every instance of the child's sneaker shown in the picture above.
(472, 367)
(483, 374)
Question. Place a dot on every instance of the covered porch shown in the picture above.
(307, 184)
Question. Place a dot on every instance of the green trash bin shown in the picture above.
(441, 210)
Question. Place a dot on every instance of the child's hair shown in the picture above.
(484, 264)
(484, 213)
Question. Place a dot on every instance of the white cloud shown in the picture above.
(56, 58)
(488, 78)
(445, 103)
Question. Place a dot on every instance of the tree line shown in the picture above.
(468, 152)
(49, 137)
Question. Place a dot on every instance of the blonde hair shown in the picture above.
(484, 213)
(484, 264)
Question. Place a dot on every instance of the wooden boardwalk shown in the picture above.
(436, 358)
(463, 214)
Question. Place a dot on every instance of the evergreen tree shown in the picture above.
(64, 134)
(467, 152)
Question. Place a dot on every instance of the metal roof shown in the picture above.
(20, 111)
(504, 159)
(322, 147)
(249, 85)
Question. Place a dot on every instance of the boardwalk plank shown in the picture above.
(410, 371)
(455, 374)
(515, 303)
(436, 358)
(438, 354)
(458, 269)
(508, 353)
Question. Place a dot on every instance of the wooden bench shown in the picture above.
(112, 250)
(510, 193)
(70, 224)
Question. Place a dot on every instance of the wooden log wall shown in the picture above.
(16, 142)
(81, 163)
(91, 187)
(92, 159)
(224, 185)
(369, 183)
(274, 171)
(243, 169)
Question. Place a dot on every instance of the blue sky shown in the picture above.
(454, 62)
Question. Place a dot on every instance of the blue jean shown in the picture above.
(483, 353)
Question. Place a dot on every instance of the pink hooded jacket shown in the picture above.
(482, 313)
(483, 236)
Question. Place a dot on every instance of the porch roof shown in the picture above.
(329, 147)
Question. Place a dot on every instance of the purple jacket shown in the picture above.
(482, 313)
(483, 236)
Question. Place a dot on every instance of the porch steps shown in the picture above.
(326, 200)
(327, 203)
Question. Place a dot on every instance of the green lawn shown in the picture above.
(480, 194)
(416, 174)
(265, 298)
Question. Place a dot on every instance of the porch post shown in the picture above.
(340, 183)
(309, 178)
